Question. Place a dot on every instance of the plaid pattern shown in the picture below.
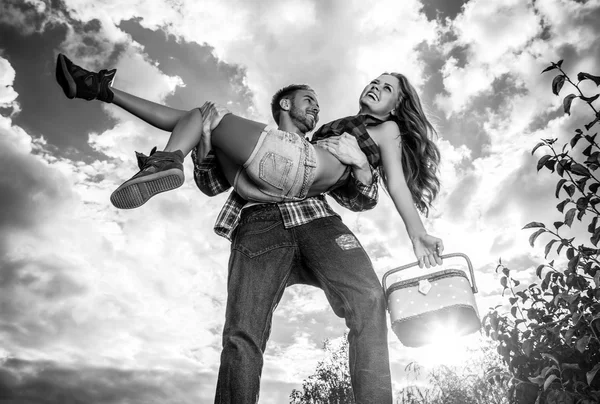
(353, 195)
(355, 125)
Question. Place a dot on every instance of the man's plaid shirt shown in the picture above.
(353, 195)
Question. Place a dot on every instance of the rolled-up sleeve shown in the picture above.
(208, 175)
(355, 195)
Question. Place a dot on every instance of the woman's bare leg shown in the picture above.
(187, 132)
(236, 137)
(157, 115)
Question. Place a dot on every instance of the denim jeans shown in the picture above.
(265, 258)
(282, 167)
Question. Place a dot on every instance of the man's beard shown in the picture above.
(301, 120)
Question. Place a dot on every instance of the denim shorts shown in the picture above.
(281, 168)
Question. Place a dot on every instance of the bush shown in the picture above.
(550, 339)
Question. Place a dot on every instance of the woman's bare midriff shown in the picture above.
(329, 170)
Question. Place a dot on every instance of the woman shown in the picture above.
(269, 165)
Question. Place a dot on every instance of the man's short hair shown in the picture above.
(285, 92)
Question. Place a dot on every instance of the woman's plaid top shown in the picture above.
(355, 125)
(353, 195)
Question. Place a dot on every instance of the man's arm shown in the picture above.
(356, 195)
(208, 174)
(360, 192)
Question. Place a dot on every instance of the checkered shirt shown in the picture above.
(355, 125)
(353, 195)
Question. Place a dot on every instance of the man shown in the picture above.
(275, 245)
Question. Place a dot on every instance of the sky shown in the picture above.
(106, 306)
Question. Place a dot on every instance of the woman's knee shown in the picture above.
(194, 115)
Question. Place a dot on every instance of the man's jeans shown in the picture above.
(265, 258)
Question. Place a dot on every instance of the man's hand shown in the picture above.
(346, 149)
(211, 117)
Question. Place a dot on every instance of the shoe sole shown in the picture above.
(64, 78)
(138, 191)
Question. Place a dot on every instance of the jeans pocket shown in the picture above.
(256, 238)
(275, 169)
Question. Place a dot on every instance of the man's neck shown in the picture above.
(286, 124)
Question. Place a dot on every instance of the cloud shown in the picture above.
(53, 383)
(137, 298)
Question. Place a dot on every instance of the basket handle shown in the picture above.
(452, 255)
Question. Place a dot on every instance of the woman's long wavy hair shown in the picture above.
(420, 155)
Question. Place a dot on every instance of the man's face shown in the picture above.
(304, 110)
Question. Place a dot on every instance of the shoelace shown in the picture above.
(151, 160)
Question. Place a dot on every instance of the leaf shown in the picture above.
(531, 225)
(549, 381)
(594, 187)
(588, 126)
(592, 373)
(552, 67)
(558, 83)
(535, 235)
(503, 281)
(538, 271)
(551, 357)
(586, 76)
(549, 247)
(589, 99)
(592, 226)
(559, 184)
(573, 263)
(596, 237)
(528, 347)
(569, 217)
(579, 169)
(542, 161)
(575, 139)
(582, 343)
(560, 168)
(567, 103)
(561, 206)
(570, 189)
(537, 146)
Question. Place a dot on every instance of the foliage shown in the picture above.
(465, 384)
(550, 339)
(330, 384)
(469, 383)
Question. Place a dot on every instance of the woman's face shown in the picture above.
(380, 96)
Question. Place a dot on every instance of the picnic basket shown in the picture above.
(434, 303)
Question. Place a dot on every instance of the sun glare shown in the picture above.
(447, 347)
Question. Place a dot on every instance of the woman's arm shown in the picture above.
(427, 248)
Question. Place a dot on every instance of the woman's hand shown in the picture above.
(428, 250)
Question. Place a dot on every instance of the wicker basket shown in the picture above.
(431, 303)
